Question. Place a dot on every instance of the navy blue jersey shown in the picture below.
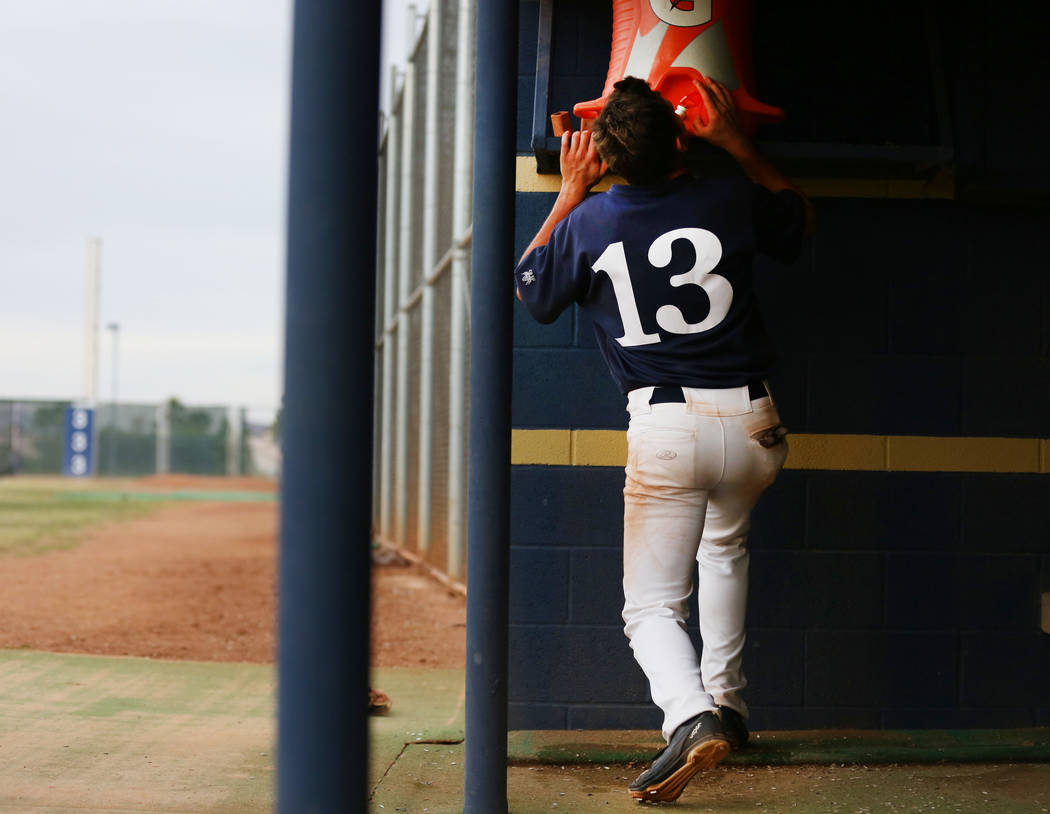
(665, 273)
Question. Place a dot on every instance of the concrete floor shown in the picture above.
(859, 772)
(429, 778)
(89, 733)
(92, 734)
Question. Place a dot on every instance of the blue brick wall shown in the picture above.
(932, 323)
(878, 599)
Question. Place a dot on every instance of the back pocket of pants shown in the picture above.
(662, 457)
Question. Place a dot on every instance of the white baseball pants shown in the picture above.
(694, 472)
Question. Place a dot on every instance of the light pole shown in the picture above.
(114, 327)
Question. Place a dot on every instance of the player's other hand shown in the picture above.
(581, 167)
(722, 128)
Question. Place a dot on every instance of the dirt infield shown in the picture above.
(196, 580)
(205, 482)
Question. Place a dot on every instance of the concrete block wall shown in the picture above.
(896, 600)
(880, 597)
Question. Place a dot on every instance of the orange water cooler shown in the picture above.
(670, 43)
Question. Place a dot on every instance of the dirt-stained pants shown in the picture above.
(694, 472)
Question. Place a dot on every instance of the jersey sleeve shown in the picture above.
(779, 221)
(551, 278)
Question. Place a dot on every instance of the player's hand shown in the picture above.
(722, 128)
(581, 167)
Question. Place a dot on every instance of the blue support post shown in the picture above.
(326, 425)
(491, 328)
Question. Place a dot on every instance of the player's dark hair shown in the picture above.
(637, 133)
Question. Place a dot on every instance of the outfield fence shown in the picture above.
(139, 439)
(422, 324)
(6, 434)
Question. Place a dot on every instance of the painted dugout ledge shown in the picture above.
(867, 453)
(940, 186)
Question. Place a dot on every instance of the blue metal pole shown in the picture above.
(326, 503)
(491, 328)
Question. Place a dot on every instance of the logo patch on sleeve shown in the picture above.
(527, 277)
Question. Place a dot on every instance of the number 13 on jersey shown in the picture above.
(708, 249)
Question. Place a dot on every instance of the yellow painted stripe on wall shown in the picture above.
(599, 448)
(568, 447)
(941, 186)
(547, 447)
(864, 453)
(859, 452)
(925, 454)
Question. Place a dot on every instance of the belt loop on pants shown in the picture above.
(758, 390)
(640, 399)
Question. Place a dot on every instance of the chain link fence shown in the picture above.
(6, 435)
(423, 331)
(140, 439)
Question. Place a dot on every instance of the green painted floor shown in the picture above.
(417, 765)
(430, 780)
(94, 734)
(88, 733)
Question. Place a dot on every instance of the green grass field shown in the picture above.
(45, 514)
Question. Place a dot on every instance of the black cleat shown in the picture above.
(734, 727)
(697, 744)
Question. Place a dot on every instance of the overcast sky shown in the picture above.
(160, 127)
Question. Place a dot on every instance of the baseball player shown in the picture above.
(663, 266)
